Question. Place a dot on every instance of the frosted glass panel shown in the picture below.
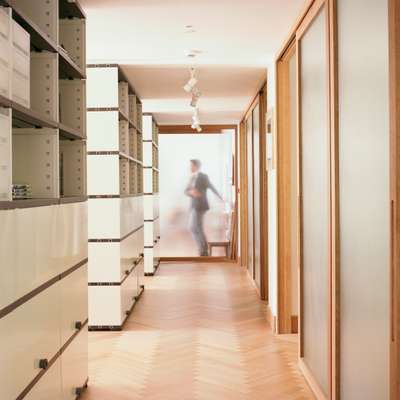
(250, 208)
(257, 221)
(178, 227)
(315, 174)
(364, 198)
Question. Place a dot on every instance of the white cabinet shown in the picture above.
(5, 154)
(27, 335)
(73, 104)
(35, 160)
(5, 52)
(44, 84)
(49, 386)
(74, 367)
(74, 308)
(72, 39)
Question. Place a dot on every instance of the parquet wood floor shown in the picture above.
(199, 332)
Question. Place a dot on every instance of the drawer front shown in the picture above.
(105, 262)
(104, 218)
(49, 385)
(102, 130)
(129, 290)
(74, 307)
(74, 366)
(129, 253)
(102, 170)
(21, 38)
(149, 261)
(27, 335)
(21, 89)
(149, 233)
(21, 63)
(105, 305)
(140, 274)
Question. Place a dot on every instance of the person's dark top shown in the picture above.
(201, 184)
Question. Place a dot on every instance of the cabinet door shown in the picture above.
(28, 334)
(74, 366)
(74, 307)
(49, 385)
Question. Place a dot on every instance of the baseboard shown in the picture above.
(294, 322)
(319, 394)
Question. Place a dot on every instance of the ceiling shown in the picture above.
(234, 40)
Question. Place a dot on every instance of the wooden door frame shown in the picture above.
(208, 129)
(311, 11)
(261, 100)
(283, 170)
(394, 73)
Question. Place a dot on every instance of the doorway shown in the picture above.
(214, 153)
(254, 200)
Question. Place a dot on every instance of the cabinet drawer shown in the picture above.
(27, 335)
(104, 262)
(73, 302)
(74, 366)
(21, 38)
(105, 306)
(129, 289)
(49, 385)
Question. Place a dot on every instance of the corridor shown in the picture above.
(199, 333)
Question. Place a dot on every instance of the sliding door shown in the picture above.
(257, 194)
(250, 197)
(364, 198)
(314, 198)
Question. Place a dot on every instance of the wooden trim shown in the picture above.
(243, 195)
(334, 273)
(284, 190)
(312, 13)
(294, 324)
(394, 67)
(254, 101)
(319, 394)
(187, 129)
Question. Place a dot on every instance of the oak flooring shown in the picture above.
(199, 332)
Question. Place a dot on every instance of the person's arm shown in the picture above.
(212, 188)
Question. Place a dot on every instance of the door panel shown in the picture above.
(250, 204)
(364, 198)
(314, 145)
(257, 195)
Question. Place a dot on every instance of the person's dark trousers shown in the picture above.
(198, 231)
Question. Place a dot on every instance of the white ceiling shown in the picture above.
(236, 39)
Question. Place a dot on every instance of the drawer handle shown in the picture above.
(43, 363)
(127, 312)
(78, 325)
(158, 237)
(141, 254)
(127, 272)
(155, 241)
(78, 391)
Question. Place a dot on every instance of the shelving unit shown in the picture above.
(151, 175)
(44, 252)
(115, 188)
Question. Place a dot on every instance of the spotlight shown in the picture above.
(198, 129)
(190, 85)
(194, 101)
(192, 82)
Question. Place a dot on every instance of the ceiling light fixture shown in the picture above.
(192, 82)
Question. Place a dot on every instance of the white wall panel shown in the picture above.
(104, 218)
(105, 305)
(102, 87)
(102, 173)
(102, 131)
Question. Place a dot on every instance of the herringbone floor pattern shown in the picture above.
(199, 332)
